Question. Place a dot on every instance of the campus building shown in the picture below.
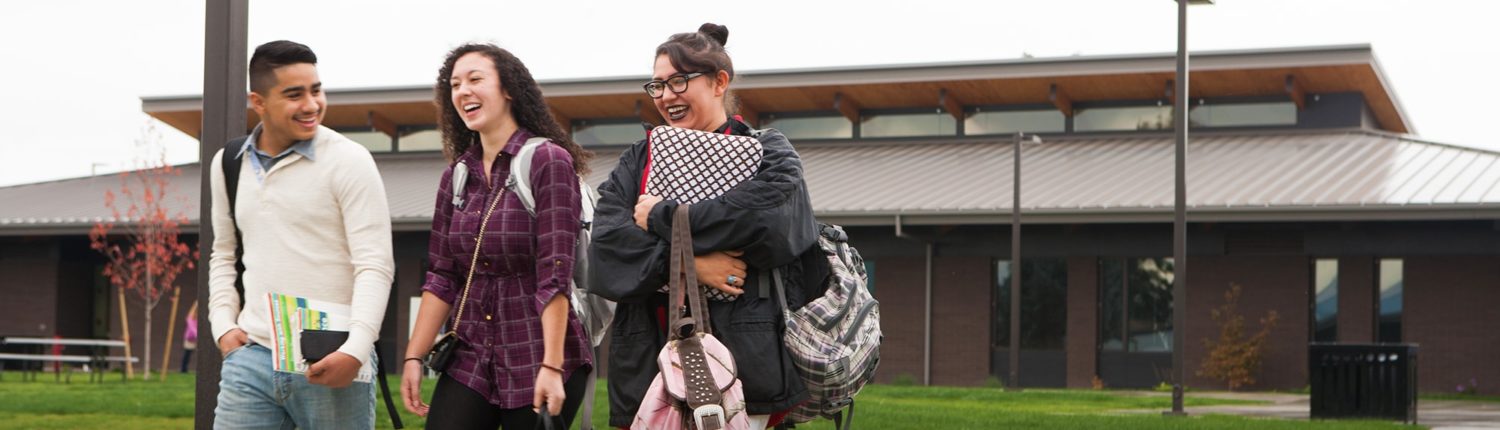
(1308, 187)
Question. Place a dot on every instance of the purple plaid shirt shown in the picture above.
(523, 263)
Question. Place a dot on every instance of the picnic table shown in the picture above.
(97, 358)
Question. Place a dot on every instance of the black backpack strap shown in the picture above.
(385, 390)
(587, 423)
(231, 166)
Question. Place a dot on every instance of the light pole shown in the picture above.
(1014, 382)
(1179, 223)
(224, 77)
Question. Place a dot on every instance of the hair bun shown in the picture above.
(716, 32)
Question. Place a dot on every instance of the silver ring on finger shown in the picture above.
(733, 279)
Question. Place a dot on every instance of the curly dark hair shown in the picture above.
(526, 104)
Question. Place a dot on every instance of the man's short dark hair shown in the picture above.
(275, 55)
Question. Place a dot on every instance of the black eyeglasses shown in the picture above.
(678, 84)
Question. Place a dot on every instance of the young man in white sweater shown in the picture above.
(314, 222)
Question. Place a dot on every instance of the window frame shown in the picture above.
(767, 117)
(1022, 107)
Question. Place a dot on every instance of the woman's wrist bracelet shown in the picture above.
(552, 368)
(413, 358)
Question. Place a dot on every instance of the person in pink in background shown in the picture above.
(190, 337)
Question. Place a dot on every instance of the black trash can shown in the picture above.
(1363, 381)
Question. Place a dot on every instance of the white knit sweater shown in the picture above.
(317, 228)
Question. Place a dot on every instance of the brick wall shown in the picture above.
(29, 286)
(1083, 321)
(1450, 310)
(960, 320)
(1267, 283)
(899, 286)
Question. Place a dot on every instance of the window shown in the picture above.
(938, 123)
(1388, 305)
(420, 140)
(612, 132)
(1044, 302)
(1135, 305)
(1242, 114)
(811, 127)
(1010, 122)
(373, 140)
(1123, 118)
(1325, 300)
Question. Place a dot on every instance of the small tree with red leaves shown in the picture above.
(140, 240)
(1236, 358)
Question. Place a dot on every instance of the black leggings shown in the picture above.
(456, 406)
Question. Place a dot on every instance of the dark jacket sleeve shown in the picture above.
(768, 217)
(626, 263)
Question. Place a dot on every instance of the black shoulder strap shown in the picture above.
(385, 390)
(231, 165)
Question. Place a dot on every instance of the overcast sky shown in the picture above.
(74, 71)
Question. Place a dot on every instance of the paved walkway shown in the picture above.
(1437, 414)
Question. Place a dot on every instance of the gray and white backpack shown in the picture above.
(593, 311)
(596, 313)
(834, 340)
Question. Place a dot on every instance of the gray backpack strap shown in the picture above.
(460, 177)
(519, 181)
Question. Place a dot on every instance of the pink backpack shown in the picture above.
(697, 387)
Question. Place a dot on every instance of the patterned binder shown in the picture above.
(691, 166)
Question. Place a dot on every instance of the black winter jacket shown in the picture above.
(768, 217)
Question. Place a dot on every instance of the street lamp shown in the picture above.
(1179, 223)
(1014, 382)
(224, 76)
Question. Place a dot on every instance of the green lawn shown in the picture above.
(138, 404)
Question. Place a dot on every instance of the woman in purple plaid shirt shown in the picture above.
(519, 344)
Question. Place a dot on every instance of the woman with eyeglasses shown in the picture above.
(761, 224)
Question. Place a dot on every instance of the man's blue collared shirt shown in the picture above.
(263, 162)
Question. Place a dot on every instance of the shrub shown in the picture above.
(1235, 358)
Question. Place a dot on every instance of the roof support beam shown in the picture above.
(846, 106)
(382, 124)
(648, 114)
(1295, 91)
(951, 104)
(1060, 100)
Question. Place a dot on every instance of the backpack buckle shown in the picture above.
(709, 417)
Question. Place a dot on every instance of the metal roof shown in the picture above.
(1280, 176)
(1244, 176)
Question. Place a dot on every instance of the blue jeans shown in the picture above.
(252, 396)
